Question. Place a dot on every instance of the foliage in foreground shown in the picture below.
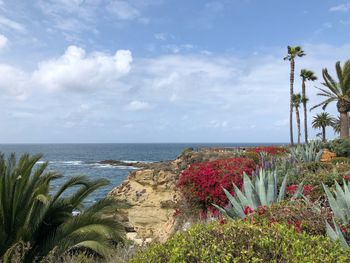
(263, 191)
(44, 222)
(242, 241)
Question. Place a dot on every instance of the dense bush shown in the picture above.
(202, 183)
(336, 160)
(341, 147)
(270, 150)
(297, 213)
(316, 180)
(239, 241)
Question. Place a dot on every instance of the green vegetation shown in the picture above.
(296, 101)
(306, 75)
(262, 192)
(293, 53)
(338, 92)
(35, 224)
(243, 241)
(341, 147)
(322, 121)
(306, 153)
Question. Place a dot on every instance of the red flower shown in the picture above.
(297, 226)
(346, 178)
(248, 210)
(343, 229)
(270, 150)
(293, 188)
(202, 183)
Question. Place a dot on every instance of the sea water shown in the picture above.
(83, 159)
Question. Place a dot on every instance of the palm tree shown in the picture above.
(296, 100)
(339, 92)
(306, 75)
(30, 214)
(336, 124)
(293, 52)
(321, 121)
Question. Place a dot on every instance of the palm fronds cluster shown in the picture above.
(31, 215)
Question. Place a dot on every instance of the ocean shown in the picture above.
(82, 159)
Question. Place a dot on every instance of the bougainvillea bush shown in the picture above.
(201, 184)
(270, 150)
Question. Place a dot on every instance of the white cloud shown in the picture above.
(340, 8)
(8, 23)
(137, 105)
(14, 82)
(162, 36)
(123, 10)
(3, 41)
(219, 94)
(76, 70)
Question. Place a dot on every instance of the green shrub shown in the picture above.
(251, 155)
(314, 167)
(242, 241)
(337, 160)
(341, 147)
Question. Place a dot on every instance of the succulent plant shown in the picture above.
(263, 191)
(340, 201)
(336, 234)
(307, 153)
(340, 205)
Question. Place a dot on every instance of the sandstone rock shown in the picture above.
(153, 197)
(327, 156)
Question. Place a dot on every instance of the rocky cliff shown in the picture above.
(152, 195)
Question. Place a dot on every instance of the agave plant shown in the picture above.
(30, 214)
(336, 234)
(340, 201)
(307, 153)
(262, 192)
(340, 205)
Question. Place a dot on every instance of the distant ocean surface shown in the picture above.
(82, 159)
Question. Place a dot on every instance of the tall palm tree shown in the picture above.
(296, 100)
(30, 214)
(293, 52)
(306, 75)
(339, 92)
(322, 121)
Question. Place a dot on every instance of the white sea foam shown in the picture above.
(128, 161)
(72, 162)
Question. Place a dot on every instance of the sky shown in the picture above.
(103, 71)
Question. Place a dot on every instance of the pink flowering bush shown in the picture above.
(202, 183)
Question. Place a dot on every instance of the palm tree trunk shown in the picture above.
(344, 125)
(305, 110)
(292, 67)
(298, 123)
(323, 133)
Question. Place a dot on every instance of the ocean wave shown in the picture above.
(72, 162)
(128, 161)
(109, 166)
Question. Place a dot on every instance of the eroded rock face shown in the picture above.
(152, 196)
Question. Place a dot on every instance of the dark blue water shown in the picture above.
(82, 159)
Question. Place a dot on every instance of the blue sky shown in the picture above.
(160, 70)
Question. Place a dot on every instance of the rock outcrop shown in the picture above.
(152, 195)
